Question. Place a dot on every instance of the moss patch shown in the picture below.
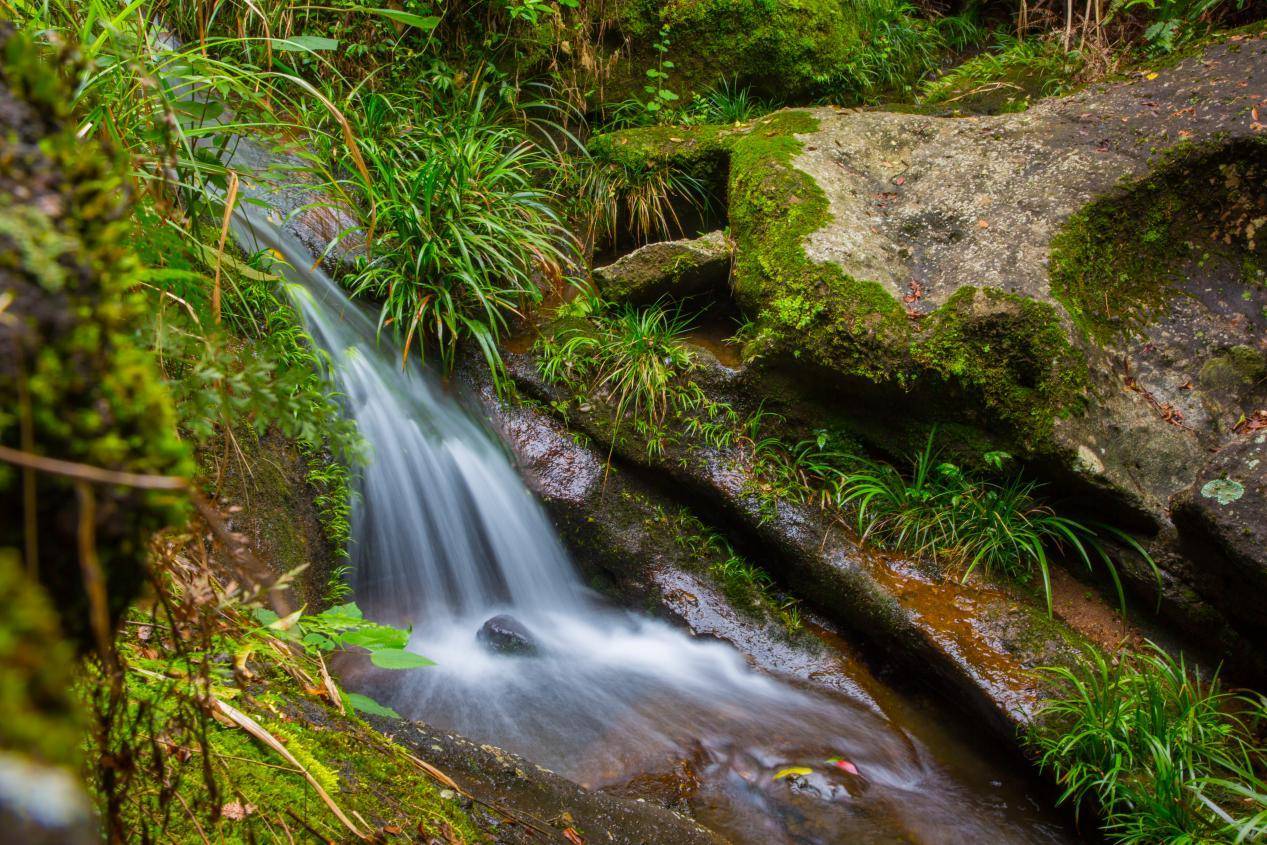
(72, 372)
(1119, 263)
(38, 714)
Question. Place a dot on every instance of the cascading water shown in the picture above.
(445, 536)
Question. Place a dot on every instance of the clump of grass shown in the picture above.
(610, 199)
(941, 510)
(464, 234)
(631, 358)
(726, 102)
(1166, 756)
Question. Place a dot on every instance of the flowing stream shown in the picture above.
(445, 536)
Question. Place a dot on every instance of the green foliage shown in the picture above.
(609, 199)
(629, 358)
(939, 509)
(1166, 756)
(461, 227)
(896, 49)
(342, 627)
(1004, 77)
(1171, 23)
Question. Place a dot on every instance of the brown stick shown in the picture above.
(89, 473)
(94, 578)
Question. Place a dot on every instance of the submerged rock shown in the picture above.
(505, 634)
(672, 268)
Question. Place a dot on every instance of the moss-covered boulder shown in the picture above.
(1081, 285)
(677, 269)
(75, 383)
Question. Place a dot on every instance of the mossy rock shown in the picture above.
(75, 382)
(1081, 285)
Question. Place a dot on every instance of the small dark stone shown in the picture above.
(507, 635)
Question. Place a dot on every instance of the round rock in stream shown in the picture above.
(507, 635)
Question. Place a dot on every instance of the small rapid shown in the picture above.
(445, 536)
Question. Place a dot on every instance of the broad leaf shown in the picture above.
(368, 705)
(398, 658)
(304, 44)
(425, 23)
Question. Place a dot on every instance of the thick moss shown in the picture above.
(1011, 351)
(1119, 263)
(70, 362)
(38, 714)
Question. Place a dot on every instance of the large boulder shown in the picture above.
(1083, 285)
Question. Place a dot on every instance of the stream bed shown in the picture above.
(446, 536)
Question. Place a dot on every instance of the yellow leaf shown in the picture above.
(793, 771)
(1150, 75)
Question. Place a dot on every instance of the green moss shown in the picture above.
(1011, 351)
(1234, 368)
(368, 776)
(38, 714)
(91, 393)
(1118, 264)
(1006, 351)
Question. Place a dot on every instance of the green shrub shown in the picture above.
(463, 234)
(1166, 756)
(939, 509)
(631, 358)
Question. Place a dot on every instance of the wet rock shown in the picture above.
(672, 268)
(505, 634)
(1226, 509)
(546, 800)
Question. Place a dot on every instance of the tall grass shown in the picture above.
(1165, 755)
(631, 358)
(464, 233)
(999, 526)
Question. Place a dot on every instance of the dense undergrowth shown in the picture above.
(635, 365)
(455, 138)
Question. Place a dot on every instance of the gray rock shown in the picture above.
(1226, 511)
(671, 268)
(505, 634)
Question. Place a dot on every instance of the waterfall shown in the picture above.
(445, 535)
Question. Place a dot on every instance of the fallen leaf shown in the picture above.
(792, 772)
(570, 834)
(1150, 75)
(983, 224)
(844, 765)
(392, 830)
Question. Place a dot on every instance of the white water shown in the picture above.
(445, 536)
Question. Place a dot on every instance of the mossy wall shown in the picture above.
(76, 382)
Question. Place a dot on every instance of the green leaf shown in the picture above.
(377, 637)
(425, 23)
(365, 704)
(398, 658)
(304, 44)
